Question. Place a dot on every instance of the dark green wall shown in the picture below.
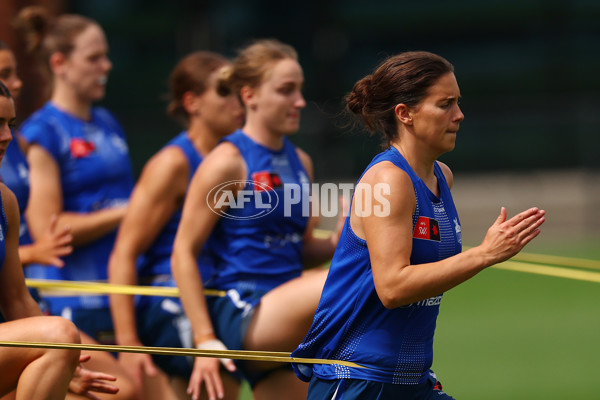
(529, 71)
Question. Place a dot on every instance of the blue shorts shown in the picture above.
(96, 323)
(162, 322)
(356, 389)
(231, 315)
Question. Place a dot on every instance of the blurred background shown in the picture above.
(528, 72)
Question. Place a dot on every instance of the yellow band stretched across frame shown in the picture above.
(77, 287)
(273, 356)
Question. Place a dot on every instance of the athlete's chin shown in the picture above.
(291, 129)
(447, 146)
(97, 94)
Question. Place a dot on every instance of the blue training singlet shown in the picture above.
(14, 172)
(95, 173)
(3, 231)
(352, 324)
(156, 261)
(257, 245)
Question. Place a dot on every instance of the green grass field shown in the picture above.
(515, 335)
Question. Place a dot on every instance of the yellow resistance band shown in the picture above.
(569, 262)
(546, 270)
(174, 351)
(109, 288)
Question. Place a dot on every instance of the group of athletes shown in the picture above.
(69, 184)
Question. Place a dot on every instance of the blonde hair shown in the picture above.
(252, 65)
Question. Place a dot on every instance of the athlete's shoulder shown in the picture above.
(169, 161)
(9, 202)
(103, 113)
(40, 117)
(225, 160)
(306, 161)
(105, 117)
(447, 173)
(387, 172)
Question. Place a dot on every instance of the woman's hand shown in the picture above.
(85, 381)
(51, 245)
(207, 370)
(138, 366)
(505, 238)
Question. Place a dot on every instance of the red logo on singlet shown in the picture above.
(80, 148)
(264, 179)
(427, 228)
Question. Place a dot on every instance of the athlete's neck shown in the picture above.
(270, 141)
(423, 166)
(203, 139)
(71, 104)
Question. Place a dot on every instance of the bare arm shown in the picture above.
(223, 164)
(318, 250)
(46, 200)
(197, 222)
(157, 195)
(15, 300)
(389, 240)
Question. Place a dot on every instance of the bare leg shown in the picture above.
(279, 324)
(158, 387)
(281, 384)
(285, 313)
(38, 373)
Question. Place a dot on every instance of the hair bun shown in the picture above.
(224, 80)
(34, 21)
(358, 98)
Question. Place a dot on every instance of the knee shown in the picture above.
(60, 330)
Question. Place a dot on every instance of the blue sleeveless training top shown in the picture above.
(257, 244)
(3, 231)
(157, 259)
(352, 324)
(14, 172)
(95, 173)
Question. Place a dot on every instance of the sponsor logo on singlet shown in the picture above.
(266, 180)
(430, 302)
(427, 229)
(80, 148)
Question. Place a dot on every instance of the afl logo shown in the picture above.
(255, 200)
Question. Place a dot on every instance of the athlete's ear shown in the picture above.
(247, 94)
(57, 63)
(190, 102)
(403, 114)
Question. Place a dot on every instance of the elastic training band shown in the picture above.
(273, 356)
(109, 288)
